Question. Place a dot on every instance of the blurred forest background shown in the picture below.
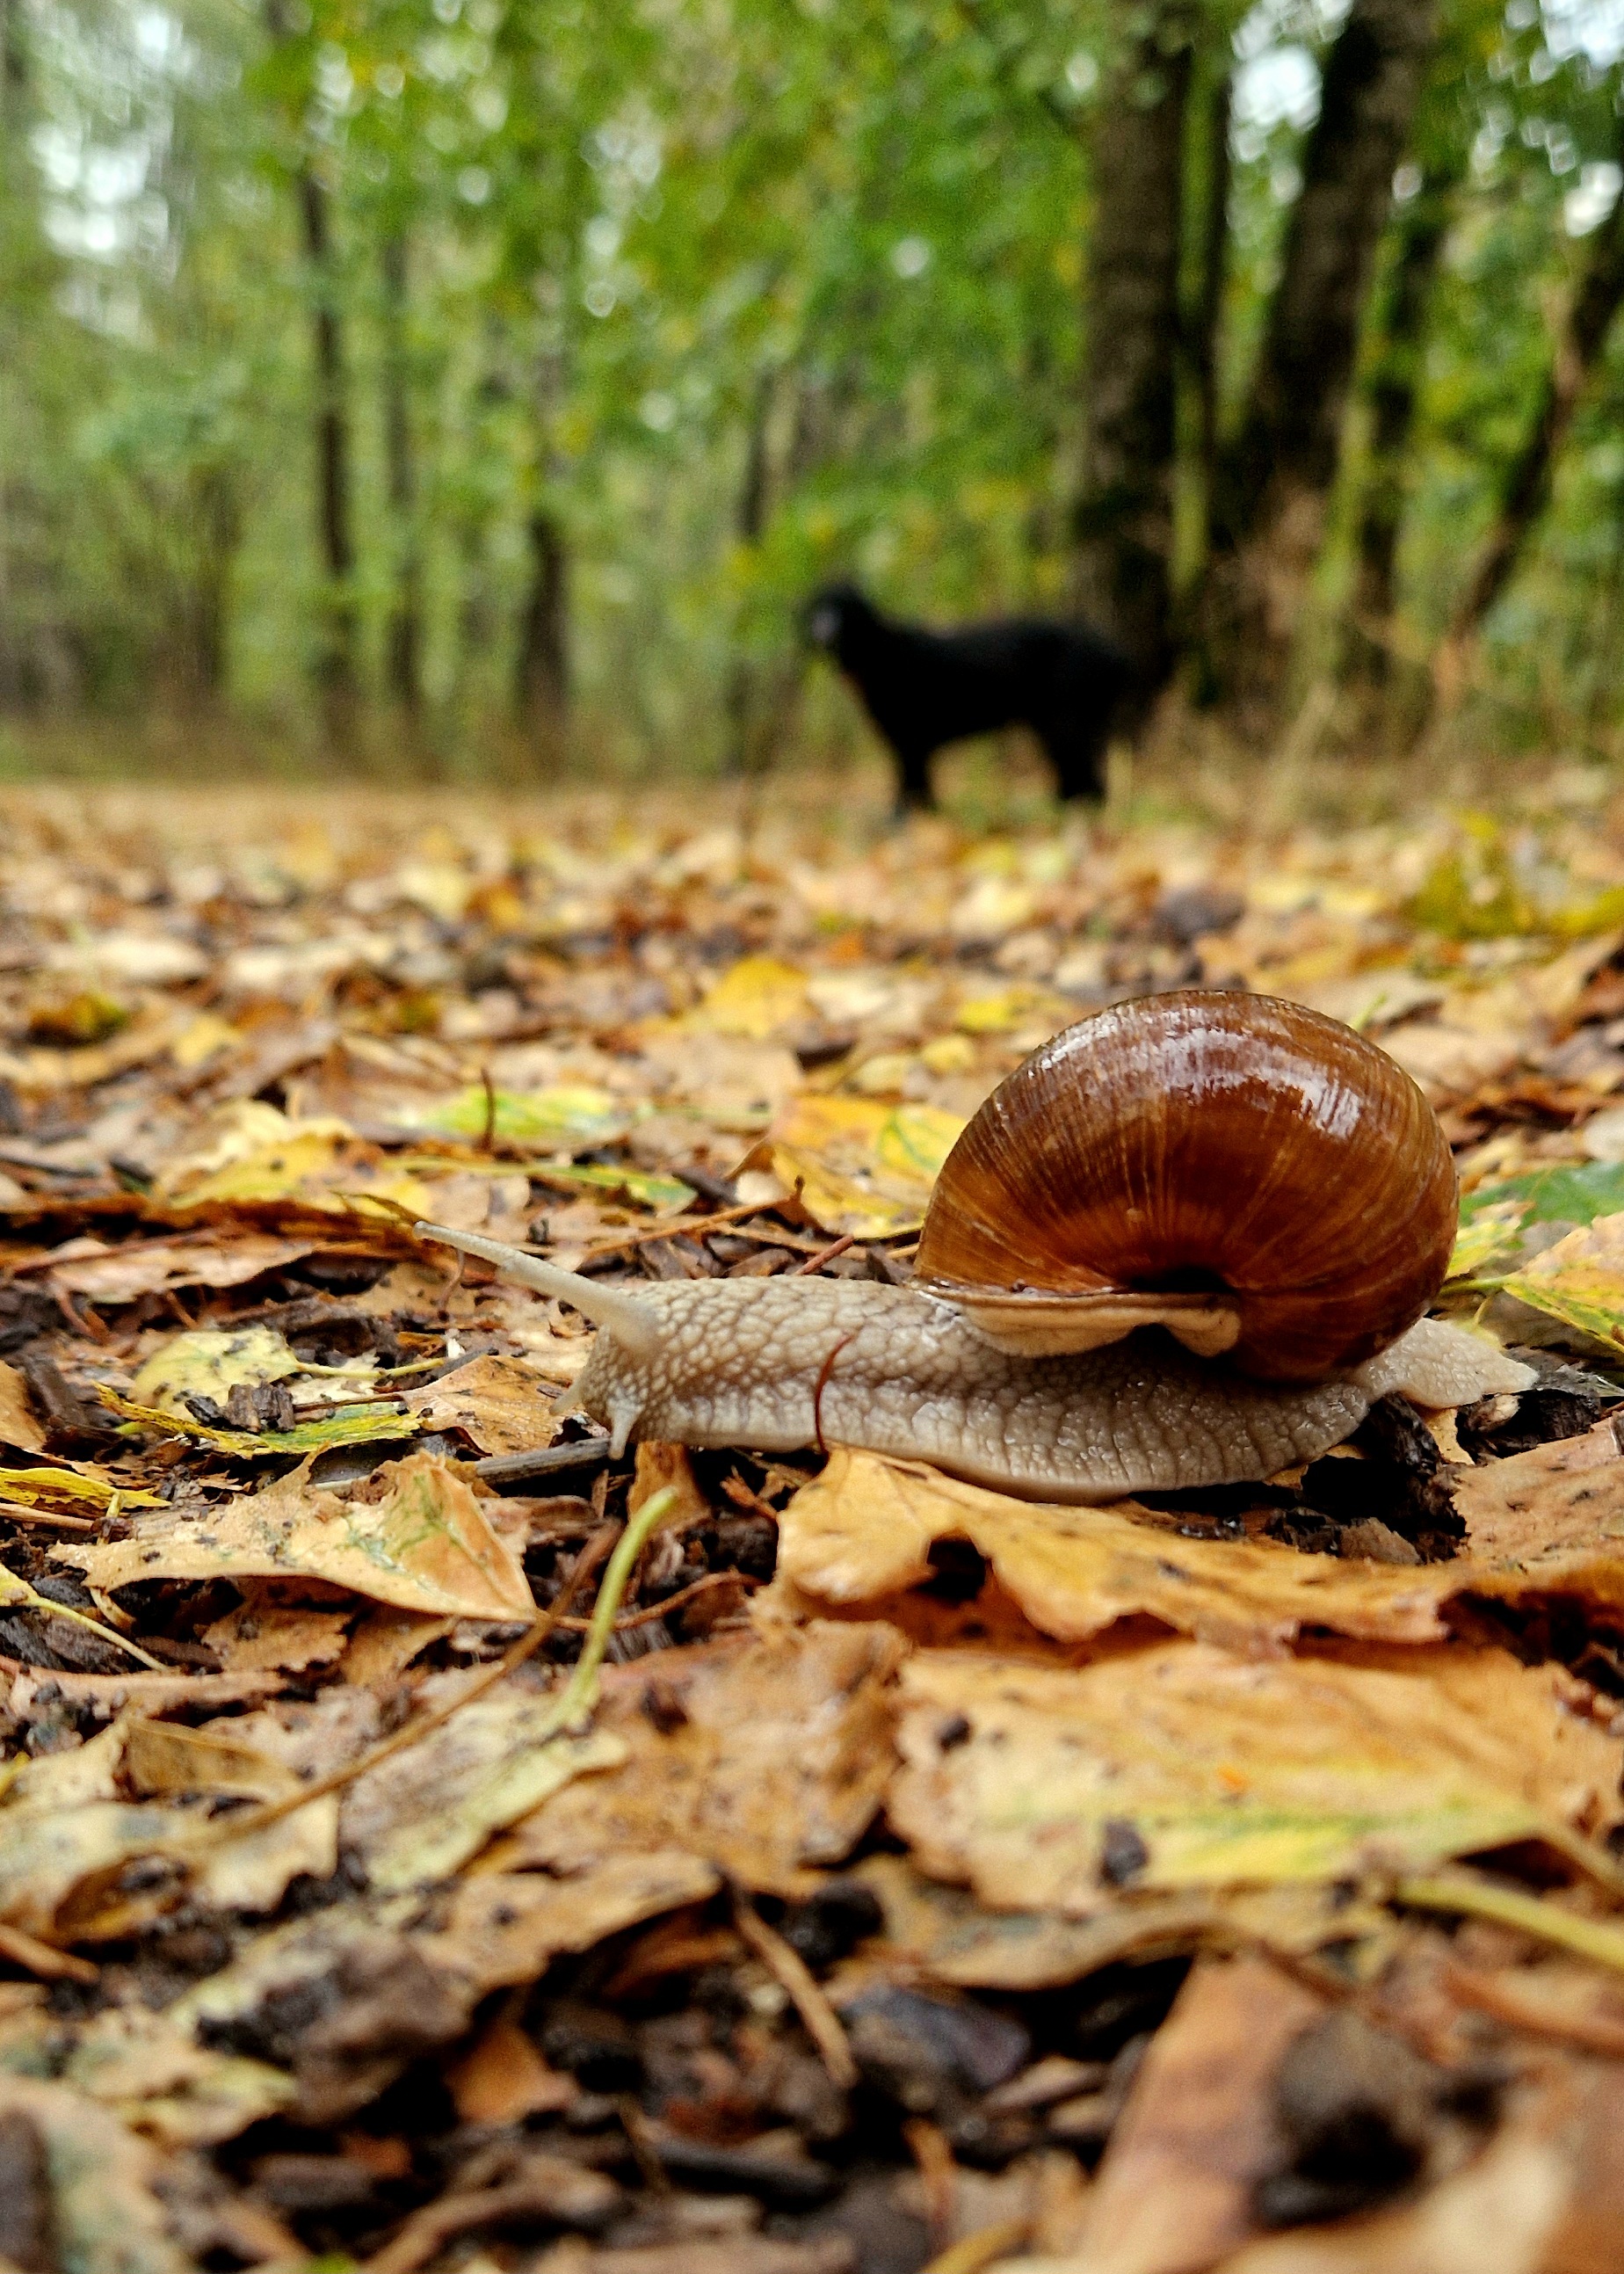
(481, 386)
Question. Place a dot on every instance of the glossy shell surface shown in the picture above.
(1218, 1141)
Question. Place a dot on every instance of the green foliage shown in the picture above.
(734, 296)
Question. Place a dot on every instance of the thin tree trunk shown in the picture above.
(1393, 388)
(1275, 486)
(743, 698)
(219, 533)
(335, 661)
(335, 664)
(403, 659)
(1207, 314)
(543, 670)
(1526, 485)
(1123, 521)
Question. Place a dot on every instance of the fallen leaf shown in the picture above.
(767, 1752)
(208, 1363)
(1580, 1280)
(502, 2078)
(105, 2208)
(1217, 1772)
(862, 1533)
(1174, 2190)
(424, 1546)
(146, 1266)
(18, 1425)
(498, 1402)
(754, 997)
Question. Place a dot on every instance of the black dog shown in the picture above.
(923, 688)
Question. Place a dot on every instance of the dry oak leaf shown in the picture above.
(863, 1533)
(424, 1546)
(767, 1752)
(498, 1402)
(1180, 1766)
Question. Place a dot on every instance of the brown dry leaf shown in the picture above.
(502, 2078)
(1174, 2190)
(862, 1533)
(146, 1266)
(1550, 1520)
(767, 1752)
(18, 1425)
(1178, 1767)
(424, 1546)
(498, 1402)
(262, 1631)
(504, 1927)
(659, 1466)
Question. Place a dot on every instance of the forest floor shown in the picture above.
(925, 1877)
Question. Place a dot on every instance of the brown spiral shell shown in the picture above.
(1231, 1145)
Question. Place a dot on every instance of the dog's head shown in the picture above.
(830, 613)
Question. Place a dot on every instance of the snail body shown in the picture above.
(1262, 1186)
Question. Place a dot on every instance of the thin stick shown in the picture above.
(676, 1602)
(794, 1977)
(23, 1949)
(409, 1733)
(21, 1515)
(669, 1224)
(826, 1255)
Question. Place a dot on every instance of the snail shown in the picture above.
(1261, 1185)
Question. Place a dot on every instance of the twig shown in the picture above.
(671, 1603)
(488, 1135)
(794, 1977)
(20, 1515)
(670, 1224)
(825, 1255)
(542, 1460)
(23, 1949)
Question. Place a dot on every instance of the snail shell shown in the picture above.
(1250, 1176)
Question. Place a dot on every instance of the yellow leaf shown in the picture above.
(210, 1364)
(1228, 1771)
(755, 998)
(425, 1546)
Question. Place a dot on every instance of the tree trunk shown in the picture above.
(543, 671)
(335, 664)
(1393, 390)
(1526, 484)
(335, 660)
(743, 702)
(1207, 311)
(403, 659)
(1123, 521)
(217, 520)
(1275, 483)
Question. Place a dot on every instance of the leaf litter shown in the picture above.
(1228, 1878)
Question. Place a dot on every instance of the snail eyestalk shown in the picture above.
(632, 1326)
